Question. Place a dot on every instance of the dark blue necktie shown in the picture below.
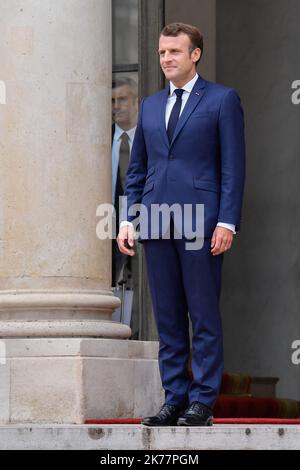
(174, 114)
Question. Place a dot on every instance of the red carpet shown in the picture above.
(235, 409)
(236, 405)
(216, 421)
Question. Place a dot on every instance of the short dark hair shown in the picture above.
(122, 81)
(196, 37)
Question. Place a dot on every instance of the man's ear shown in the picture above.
(136, 103)
(196, 54)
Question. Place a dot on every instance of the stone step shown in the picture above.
(138, 437)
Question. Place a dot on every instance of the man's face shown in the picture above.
(124, 107)
(176, 60)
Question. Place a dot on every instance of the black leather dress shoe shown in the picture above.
(196, 415)
(167, 416)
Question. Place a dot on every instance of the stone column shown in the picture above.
(55, 169)
(63, 358)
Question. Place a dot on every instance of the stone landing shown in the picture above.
(138, 437)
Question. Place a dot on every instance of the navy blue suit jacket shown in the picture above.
(204, 163)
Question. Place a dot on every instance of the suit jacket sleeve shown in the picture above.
(232, 152)
(137, 170)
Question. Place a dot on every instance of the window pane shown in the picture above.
(125, 32)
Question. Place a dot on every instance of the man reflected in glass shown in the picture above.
(124, 115)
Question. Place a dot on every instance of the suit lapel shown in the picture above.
(162, 114)
(193, 100)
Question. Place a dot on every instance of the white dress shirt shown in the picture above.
(170, 103)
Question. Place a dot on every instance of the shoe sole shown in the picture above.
(208, 422)
(159, 425)
(173, 423)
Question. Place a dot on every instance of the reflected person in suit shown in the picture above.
(124, 115)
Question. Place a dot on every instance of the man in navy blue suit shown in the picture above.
(188, 148)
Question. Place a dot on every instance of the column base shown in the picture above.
(71, 380)
(64, 328)
(53, 313)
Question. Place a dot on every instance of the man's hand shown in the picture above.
(221, 240)
(125, 240)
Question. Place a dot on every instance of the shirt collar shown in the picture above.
(187, 87)
(119, 131)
